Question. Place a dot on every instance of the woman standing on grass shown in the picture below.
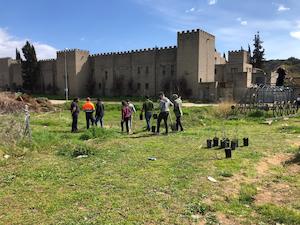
(126, 114)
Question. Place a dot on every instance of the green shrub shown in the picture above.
(256, 114)
(74, 150)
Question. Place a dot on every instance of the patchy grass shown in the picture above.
(43, 181)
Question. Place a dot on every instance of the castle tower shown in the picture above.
(240, 56)
(195, 58)
(74, 63)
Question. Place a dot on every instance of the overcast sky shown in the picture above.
(119, 25)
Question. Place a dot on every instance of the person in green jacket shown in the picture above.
(178, 111)
(147, 109)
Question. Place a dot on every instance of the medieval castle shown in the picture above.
(193, 69)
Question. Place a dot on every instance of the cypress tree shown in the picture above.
(18, 55)
(258, 52)
(30, 68)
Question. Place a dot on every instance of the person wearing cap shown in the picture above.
(99, 112)
(164, 106)
(178, 111)
(75, 112)
(147, 109)
(89, 109)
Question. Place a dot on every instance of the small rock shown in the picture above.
(196, 217)
(82, 156)
(152, 158)
(212, 179)
(6, 156)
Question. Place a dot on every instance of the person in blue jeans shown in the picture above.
(147, 109)
(99, 112)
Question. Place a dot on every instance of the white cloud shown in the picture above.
(242, 22)
(212, 2)
(282, 8)
(295, 34)
(9, 43)
(190, 10)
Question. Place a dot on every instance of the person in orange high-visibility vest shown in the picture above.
(89, 109)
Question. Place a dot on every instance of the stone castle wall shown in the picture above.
(193, 64)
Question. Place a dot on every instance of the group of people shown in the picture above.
(127, 112)
(89, 109)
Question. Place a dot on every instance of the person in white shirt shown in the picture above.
(164, 105)
(133, 110)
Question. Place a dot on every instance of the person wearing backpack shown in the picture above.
(164, 106)
(126, 114)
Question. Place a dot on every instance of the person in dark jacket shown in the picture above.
(147, 109)
(75, 112)
(99, 112)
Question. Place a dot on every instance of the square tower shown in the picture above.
(195, 58)
(75, 64)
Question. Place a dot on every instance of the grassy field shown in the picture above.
(43, 181)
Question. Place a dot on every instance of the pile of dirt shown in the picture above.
(15, 102)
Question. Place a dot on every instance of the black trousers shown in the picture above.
(89, 119)
(74, 122)
(126, 121)
(178, 123)
(163, 116)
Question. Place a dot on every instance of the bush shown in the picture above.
(74, 150)
(257, 114)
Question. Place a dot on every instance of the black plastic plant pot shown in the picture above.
(227, 143)
(215, 142)
(233, 145)
(209, 143)
(153, 129)
(228, 153)
(222, 143)
(246, 142)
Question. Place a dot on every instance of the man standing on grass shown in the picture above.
(99, 112)
(89, 109)
(178, 111)
(164, 106)
(148, 108)
(75, 112)
(133, 110)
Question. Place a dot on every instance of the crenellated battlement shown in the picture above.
(197, 31)
(47, 60)
(237, 51)
(145, 50)
(72, 50)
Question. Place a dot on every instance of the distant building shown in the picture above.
(193, 69)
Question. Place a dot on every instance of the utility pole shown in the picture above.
(66, 77)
